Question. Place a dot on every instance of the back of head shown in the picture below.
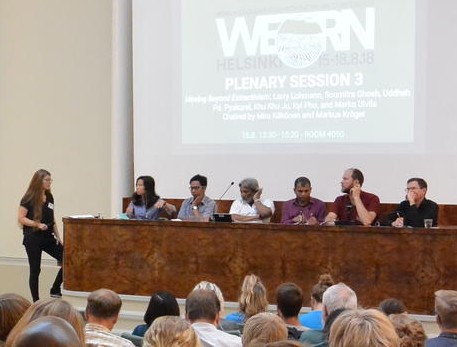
(103, 304)
(161, 304)
(446, 309)
(339, 296)
(253, 298)
(289, 299)
(213, 287)
(12, 308)
(170, 331)
(263, 328)
(410, 331)
(48, 331)
(392, 306)
(325, 281)
(49, 307)
(367, 328)
(202, 305)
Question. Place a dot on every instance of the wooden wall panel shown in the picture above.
(138, 257)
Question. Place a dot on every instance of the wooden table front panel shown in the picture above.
(140, 258)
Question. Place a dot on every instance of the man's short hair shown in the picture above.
(446, 308)
(302, 181)
(202, 304)
(103, 303)
(392, 306)
(289, 299)
(420, 181)
(357, 175)
(249, 183)
(201, 179)
(339, 296)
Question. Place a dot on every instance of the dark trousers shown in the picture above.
(35, 243)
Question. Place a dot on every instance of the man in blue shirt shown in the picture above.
(198, 207)
(446, 317)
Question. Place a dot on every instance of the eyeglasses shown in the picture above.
(194, 187)
(411, 188)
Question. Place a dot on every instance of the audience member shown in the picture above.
(202, 310)
(168, 331)
(285, 343)
(12, 308)
(160, 304)
(253, 299)
(50, 332)
(313, 319)
(251, 207)
(49, 307)
(392, 306)
(304, 209)
(263, 328)
(36, 215)
(289, 300)
(102, 313)
(446, 317)
(367, 328)
(215, 288)
(146, 204)
(335, 299)
(416, 207)
(409, 330)
(198, 207)
(355, 206)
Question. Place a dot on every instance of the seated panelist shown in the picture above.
(355, 206)
(304, 209)
(251, 208)
(146, 204)
(198, 207)
(416, 207)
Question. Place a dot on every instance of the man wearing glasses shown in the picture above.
(198, 207)
(415, 208)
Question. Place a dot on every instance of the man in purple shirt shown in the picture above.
(303, 209)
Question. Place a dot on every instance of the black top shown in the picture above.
(414, 216)
(47, 214)
(443, 340)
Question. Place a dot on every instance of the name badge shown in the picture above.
(51, 205)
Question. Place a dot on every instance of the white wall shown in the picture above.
(55, 107)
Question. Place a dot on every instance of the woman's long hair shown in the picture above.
(150, 197)
(34, 193)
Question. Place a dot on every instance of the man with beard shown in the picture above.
(355, 206)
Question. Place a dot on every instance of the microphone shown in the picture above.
(225, 192)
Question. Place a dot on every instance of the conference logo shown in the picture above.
(299, 43)
(298, 39)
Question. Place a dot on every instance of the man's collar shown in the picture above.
(311, 201)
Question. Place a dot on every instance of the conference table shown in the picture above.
(141, 257)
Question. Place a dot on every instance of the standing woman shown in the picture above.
(36, 214)
(146, 204)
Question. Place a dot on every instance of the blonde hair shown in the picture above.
(368, 328)
(253, 297)
(49, 307)
(171, 331)
(264, 327)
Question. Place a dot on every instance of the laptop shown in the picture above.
(222, 217)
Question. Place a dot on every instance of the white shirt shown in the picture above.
(242, 208)
(210, 336)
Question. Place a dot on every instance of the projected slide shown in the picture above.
(297, 72)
